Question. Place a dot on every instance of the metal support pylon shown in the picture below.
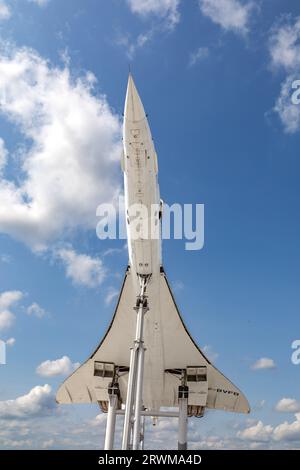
(113, 398)
(183, 393)
(134, 402)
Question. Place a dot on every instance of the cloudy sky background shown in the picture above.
(216, 80)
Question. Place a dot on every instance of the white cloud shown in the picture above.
(288, 405)
(288, 431)
(165, 9)
(284, 50)
(63, 366)
(133, 45)
(231, 15)
(10, 341)
(285, 46)
(288, 112)
(283, 432)
(40, 3)
(7, 319)
(264, 363)
(20, 444)
(72, 165)
(36, 310)
(111, 295)
(258, 432)
(200, 54)
(3, 155)
(164, 12)
(48, 444)
(82, 269)
(7, 300)
(100, 419)
(210, 442)
(257, 445)
(38, 402)
(5, 12)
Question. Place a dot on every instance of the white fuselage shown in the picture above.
(142, 199)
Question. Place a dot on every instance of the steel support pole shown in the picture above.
(129, 400)
(143, 433)
(138, 399)
(111, 422)
(135, 378)
(182, 424)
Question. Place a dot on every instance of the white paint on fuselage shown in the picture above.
(141, 187)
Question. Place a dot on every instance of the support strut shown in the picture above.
(132, 420)
(113, 397)
(183, 393)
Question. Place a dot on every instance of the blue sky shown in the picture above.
(216, 80)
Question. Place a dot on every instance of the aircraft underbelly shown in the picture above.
(154, 328)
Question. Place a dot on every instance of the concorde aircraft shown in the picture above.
(147, 361)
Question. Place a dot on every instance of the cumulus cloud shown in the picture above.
(210, 442)
(8, 300)
(36, 310)
(263, 363)
(284, 47)
(71, 165)
(288, 405)
(288, 112)
(99, 420)
(5, 11)
(17, 444)
(283, 432)
(48, 444)
(200, 54)
(231, 15)
(10, 341)
(62, 366)
(259, 432)
(288, 431)
(168, 10)
(82, 269)
(3, 155)
(38, 402)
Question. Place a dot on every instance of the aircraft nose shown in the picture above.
(134, 109)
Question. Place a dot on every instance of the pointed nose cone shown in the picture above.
(134, 109)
